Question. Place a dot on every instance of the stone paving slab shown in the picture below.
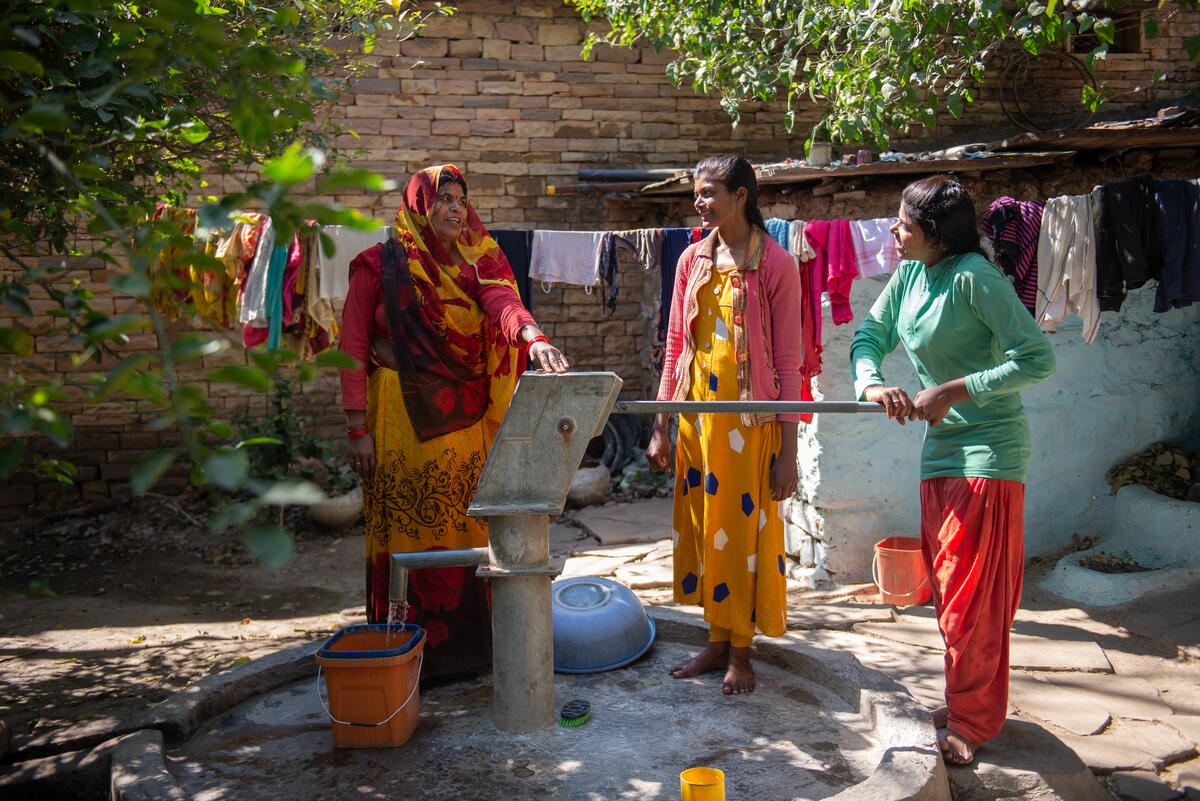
(1130, 745)
(646, 575)
(1084, 703)
(1187, 638)
(918, 670)
(1035, 697)
(625, 552)
(645, 521)
(836, 616)
(566, 539)
(1062, 648)
(1025, 761)
(1187, 777)
(1175, 680)
(591, 566)
(1188, 726)
(1143, 785)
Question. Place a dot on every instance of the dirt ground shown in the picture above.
(107, 609)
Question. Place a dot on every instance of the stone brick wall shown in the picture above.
(500, 89)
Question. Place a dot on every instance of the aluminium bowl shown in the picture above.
(599, 624)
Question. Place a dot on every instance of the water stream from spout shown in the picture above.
(397, 614)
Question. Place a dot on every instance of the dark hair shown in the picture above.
(945, 213)
(448, 177)
(733, 171)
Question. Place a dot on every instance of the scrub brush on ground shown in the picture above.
(575, 713)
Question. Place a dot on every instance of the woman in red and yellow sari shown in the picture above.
(434, 318)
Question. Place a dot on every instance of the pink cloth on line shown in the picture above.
(835, 259)
(874, 246)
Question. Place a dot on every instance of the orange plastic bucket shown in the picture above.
(899, 571)
(372, 681)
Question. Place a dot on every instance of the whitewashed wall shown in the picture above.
(1138, 383)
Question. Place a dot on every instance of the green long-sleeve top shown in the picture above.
(960, 318)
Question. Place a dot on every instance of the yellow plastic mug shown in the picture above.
(702, 784)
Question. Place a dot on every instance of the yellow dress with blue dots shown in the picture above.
(728, 531)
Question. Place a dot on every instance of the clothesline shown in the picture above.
(1075, 254)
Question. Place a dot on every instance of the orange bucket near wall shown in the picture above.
(372, 680)
(899, 571)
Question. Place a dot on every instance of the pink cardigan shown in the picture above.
(765, 324)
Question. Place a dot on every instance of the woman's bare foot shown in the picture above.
(714, 657)
(956, 749)
(739, 678)
(940, 716)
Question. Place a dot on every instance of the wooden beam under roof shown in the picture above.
(801, 174)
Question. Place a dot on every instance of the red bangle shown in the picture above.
(539, 338)
(358, 432)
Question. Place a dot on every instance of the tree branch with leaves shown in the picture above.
(872, 66)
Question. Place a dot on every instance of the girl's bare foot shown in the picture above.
(714, 657)
(940, 716)
(739, 678)
(956, 749)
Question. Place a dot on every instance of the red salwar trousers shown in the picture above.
(973, 545)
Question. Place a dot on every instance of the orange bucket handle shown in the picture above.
(416, 683)
(875, 576)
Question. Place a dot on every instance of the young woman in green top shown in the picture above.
(973, 346)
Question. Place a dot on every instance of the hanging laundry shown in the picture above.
(835, 257)
(1128, 242)
(798, 243)
(1178, 203)
(607, 268)
(333, 269)
(254, 289)
(874, 246)
(644, 243)
(170, 279)
(320, 310)
(566, 257)
(1014, 227)
(214, 288)
(1066, 259)
(778, 229)
(517, 247)
(674, 242)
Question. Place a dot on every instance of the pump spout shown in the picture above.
(404, 562)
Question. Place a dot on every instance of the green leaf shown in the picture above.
(46, 117)
(219, 429)
(335, 358)
(1106, 30)
(241, 374)
(292, 493)
(272, 545)
(136, 284)
(19, 61)
(260, 441)
(227, 468)
(955, 105)
(11, 455)
(293, 166)
(1193, 47)
(355, 179)
(194, 346)
(111, 327)
(195, 131)
(1151, 27)
(149, 468)
(14, 340)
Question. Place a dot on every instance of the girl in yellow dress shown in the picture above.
(734, 334)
